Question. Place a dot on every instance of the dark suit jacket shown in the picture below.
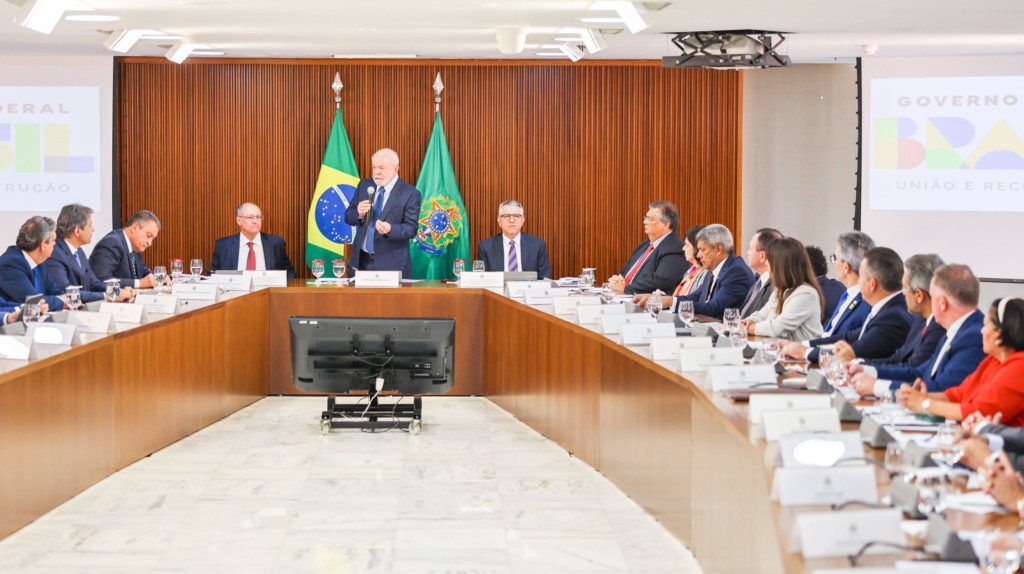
(856, 311)
(760, 300)
(728, 290)
(225, 253)
(920, 345)
(1013, 442)
(17, 282)
(534, 256)
(664, 268)
(64, 271)
(964, 356)
(884, 333)
(832, 289)
(402, 211)
(110, 259)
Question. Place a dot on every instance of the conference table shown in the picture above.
(71, 416)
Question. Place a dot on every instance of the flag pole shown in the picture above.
(336, 85)
(438, 88)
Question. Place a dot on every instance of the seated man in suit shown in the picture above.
(251, 249)
(657, 264)
(955, 291)
(22, 273)
(850, 310)
(729, 281)
(831, 288)
(386, 226)
(924, 332)
(68, 264)
(757, 260)
(887, 324)
(512, 250)
(119, 253)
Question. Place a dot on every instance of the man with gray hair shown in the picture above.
(119, 253)
(22, 273)
(954, 292)
(68, 264)
(251, 249)
(924, 332)
(658, 263)
(730, 278)
(512, 250)
(387, 212)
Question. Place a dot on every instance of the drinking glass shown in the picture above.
(318, 269)
(837, 372)
(74, 293)
(889, 408)
(159, 276)
(458, 267)
(196, 267)
(654, 305)
(339, 268)
(30, 312)
(931, 493)
(685, 310)
(587, 277)
(895, 459)
(177, 269)
(771, 350)
(948, 449)
(478, 266)
(112, 291)
(607, 293)
(825, 359)
(731, 319)
(999, 552)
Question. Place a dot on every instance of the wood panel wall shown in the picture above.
(585, 147)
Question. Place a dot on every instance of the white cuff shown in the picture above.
(868, 369)
(882, 388)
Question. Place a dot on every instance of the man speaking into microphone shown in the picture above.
(386, 210)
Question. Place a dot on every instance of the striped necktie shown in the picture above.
(513, 261)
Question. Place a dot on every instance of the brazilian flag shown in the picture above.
(443, 231)
(326, 231)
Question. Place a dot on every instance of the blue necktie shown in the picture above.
(37, 279)
(838, 310)
(378, 203)
(77, 260)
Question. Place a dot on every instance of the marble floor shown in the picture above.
(262, 491)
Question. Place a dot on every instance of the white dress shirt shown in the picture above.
(243, 252)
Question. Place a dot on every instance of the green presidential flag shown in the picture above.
(327, 234)
(443, 234)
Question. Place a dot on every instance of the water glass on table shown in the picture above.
(159, 277)
(685, 310)
(478, 266)
(74, 296)
(177, 269)
(317, 267)
(339, 268)
(654, 304)
(196, 267)
(112, 290)
(458, 267)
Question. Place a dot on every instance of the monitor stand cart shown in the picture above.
(373, 416)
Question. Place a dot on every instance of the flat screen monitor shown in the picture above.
(414, 356)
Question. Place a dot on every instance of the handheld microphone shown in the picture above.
(370, 192)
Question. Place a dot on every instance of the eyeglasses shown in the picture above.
(510, 216)
(252, 217)
(832, 258)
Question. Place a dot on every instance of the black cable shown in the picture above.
(856, 557)
(859, 503)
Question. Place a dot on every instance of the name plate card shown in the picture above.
(816, 450)
(517, 289)
(781, 423)
(51, 333)
(544, 295)
(818, 486)
(590, 314)
(92, 322)
(125, 312)
(824, 534)
(741, 376)
(484, 279)
(612, 324)
(378, 278)
(644, 334)
(232, 282)
(668, 349)
(199, 291)
(569, 305)
(17, 348)
(702, 359)
(762, 403)
(160, 304)
(272, 278)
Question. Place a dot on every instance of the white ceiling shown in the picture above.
(822, 30)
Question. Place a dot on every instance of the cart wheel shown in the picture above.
(325, 426)
(415, 425)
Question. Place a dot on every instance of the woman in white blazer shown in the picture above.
(793, 310)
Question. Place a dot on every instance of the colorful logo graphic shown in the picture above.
(945, 143)
(439, 226)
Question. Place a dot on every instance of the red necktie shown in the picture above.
(250, 261)
(639, 264)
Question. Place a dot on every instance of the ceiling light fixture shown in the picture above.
(122, 40)
(593, 40)
(627, 11)
(571, 51)
(91, 18)
(43, 15)
(182, 50)
(511, 40)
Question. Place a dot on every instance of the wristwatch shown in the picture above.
(925, 404)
